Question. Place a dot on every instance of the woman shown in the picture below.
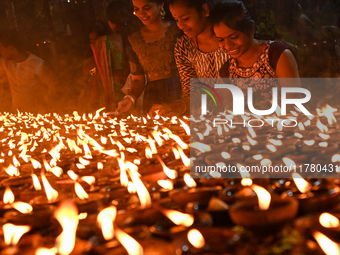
(110, 54)
(197, 52)
(152, 62)
(250, 57)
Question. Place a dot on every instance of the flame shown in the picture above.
(179, 218)
(166, 184)
(81, 193)
(327, 111)
(12, 170)
(321, 126)
(131, 188)
(13, 233)
(72, 175)
(323, 144)
(302, 185)
(45, 251)
(90, 180)
(201, 147)
(148, 152)
(242, 171)
(176, 153)
(158, 139)
(185, 159)
(263, 196)
(67, 216)
(189, 181)
(142, 192)
(196, 238)
(105, 220)
(16, 163)
(82, 216)
(51, 193)
(36, 182)
(326, 244)
(309, 142)
(288, 162)
(324, 136)
(336, 158)
(22, 207)
(301, 126)
(84, 161)
(275, 142)
(271, 147)
(251, 141)
(246, 182)
(172, 174)
(100, 166)
(258, 157)
(130, 244)
(236, 140)
(225, 155)
(182, 144)
(328, 220)
(8, 196)
(36, 164)
(185, 126)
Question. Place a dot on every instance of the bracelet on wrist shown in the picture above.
(131, 98)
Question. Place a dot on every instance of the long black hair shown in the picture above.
(196, 4)
(233, 14)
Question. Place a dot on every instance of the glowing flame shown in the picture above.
(36, 182)
(326, 244)
(16, 163)
(130, 244)
(82, 216)
(182, 144)
(51, 193)
(185, 126)
(36, 164)
(12, 170)
(176, 153)
(336, 158)
(225, 155)
(22, 207)
(172, 174)
(196, 238)
(246, 182)
(236, 140)
(100, 166)
(271, 147)
(321, 126)
(288, 162)
(45, 251)
(242, 171)
(179, 218)
(263, 196)
(189, 181)
(327, 111)
(251, 141)
(84, 161)
(309, 142)
(90, 180)
(328, 220)
(166, 184)
(67, 216)
(72, 175)
(148, 152)
(142, 192)
(8, 196)
(185, 159)
(201, 147)
(13, 233)
(258, 157)
(81, 193)
(105, 219)
(302, 185)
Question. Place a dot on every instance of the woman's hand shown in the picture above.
(159, 109)
(124, 105)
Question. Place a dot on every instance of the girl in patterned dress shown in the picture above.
(151, 58)
(250, 57)
(197, 52)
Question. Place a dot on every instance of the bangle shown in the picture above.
(131, 98)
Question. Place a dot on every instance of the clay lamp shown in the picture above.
(265, 215)
(313, 198)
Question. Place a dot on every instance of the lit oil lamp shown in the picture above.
(265, 215)
(313, 198)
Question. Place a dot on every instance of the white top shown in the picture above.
(30, 82)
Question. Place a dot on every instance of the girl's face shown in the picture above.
(189, 20)
(234, 42)
(148, 12)
(93, 36)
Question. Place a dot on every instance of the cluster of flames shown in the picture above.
(41, 141)
(26, 136)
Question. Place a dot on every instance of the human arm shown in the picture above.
(287, 68)
(186, 71)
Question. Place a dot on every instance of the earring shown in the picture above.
(162, 12)
(134, 13)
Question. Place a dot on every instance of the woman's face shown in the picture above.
(234, 42)
(148, 12)
(189, 20)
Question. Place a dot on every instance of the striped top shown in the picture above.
(193, 63)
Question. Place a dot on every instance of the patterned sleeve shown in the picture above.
(185, 68)
(135, 66)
